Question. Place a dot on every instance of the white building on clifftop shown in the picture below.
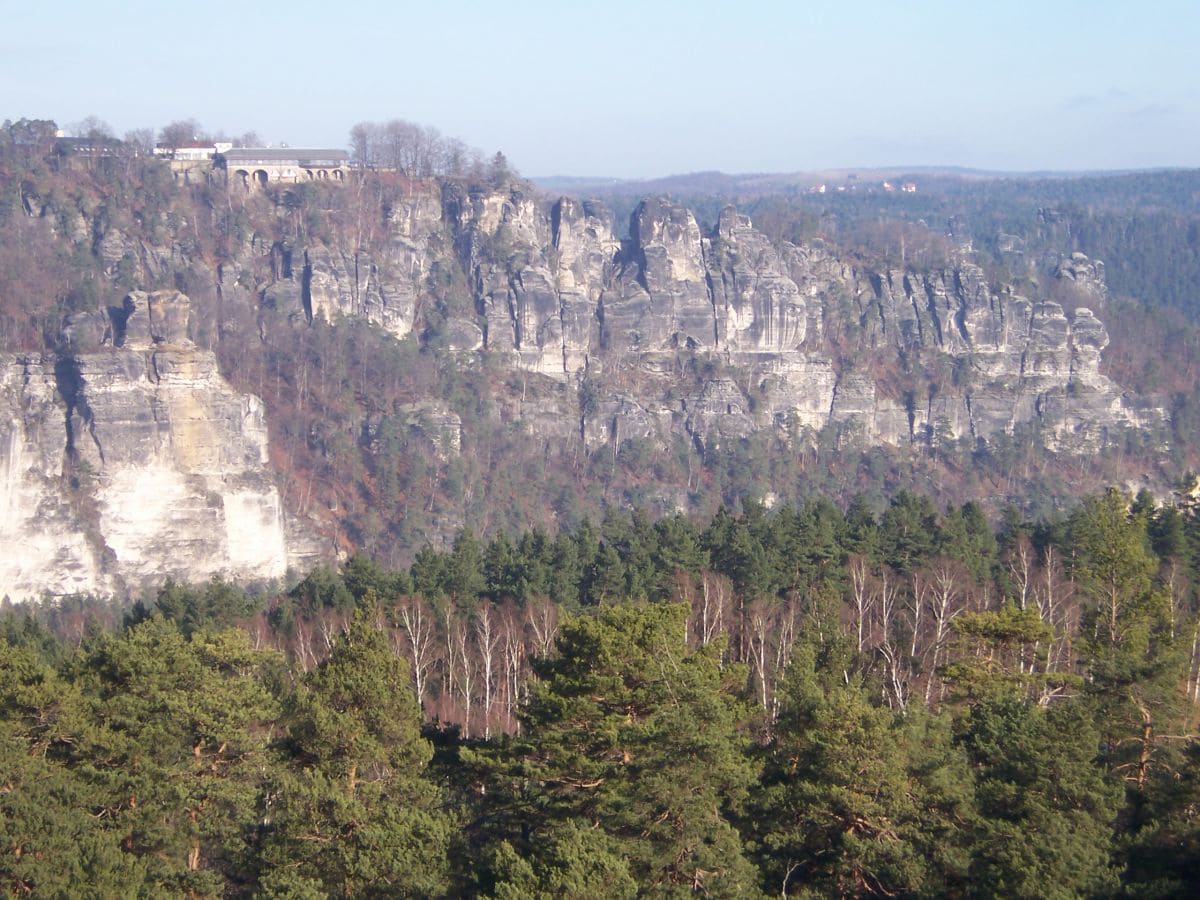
(250, 168)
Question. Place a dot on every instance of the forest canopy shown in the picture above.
(781, 701)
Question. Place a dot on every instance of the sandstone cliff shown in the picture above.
(555, 292)
(135, 462)
(129, 458)
(558, 294)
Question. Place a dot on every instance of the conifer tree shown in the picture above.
(1135, 663)
(838, 813)
(350, 809)
(1045, 807)
(629, 732)
(52, 843)
(176, 747)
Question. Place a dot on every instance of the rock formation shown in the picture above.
(556, 293)
(135, 462)
(126, 457)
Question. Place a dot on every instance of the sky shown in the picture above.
(639, 89)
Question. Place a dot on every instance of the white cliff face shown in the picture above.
(660, 301)
(586, 247)
(45, 543)
(138, 462)
(758, 307)
(505, 246)
(775, 317)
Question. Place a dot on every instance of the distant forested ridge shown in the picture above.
(1144, 225)
(793, 701)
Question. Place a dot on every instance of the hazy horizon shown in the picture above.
(915, 168)
(642, 92)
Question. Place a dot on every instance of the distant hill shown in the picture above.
(785, 181)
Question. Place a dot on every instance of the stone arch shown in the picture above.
(337, 174)
(242, 179)
(261, 177)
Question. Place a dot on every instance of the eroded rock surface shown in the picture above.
(126, 457)
(556, 293)
(136, 462)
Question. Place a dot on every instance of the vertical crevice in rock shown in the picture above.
(910, 296)
(119, 316)
(514, 318)
(555, 232)
(876, 282)
(69, 382)
(960, 309)
(924, 287)
(306, 287)
(960, 322)
(705, 264)
(604, 340)
(635, 248)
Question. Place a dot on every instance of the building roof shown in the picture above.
(93, 146)
(98, 141)
(285, 154)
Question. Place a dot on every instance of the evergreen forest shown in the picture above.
(790, 701)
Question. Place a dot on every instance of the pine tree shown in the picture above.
(629, 732)
(569, 860)
(837, 814)
(52, 843)
(350, 808)
(176, 747)
(1134, 661)
(1045, 807)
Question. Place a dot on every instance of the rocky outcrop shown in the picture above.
(805, 339)
(1086, 274)
(41, 522)
(586, 252)
(661, 300)
(125, 457)
(758, 306)
(504, 245)
(136, 462)
(799, 330)
(383, 284)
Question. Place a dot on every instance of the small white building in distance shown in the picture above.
(192, 151)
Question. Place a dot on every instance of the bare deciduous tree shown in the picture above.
(542, 617)
(414, 150)
(946, 580)
(488, 648)
(885, 602)
(416, 623)
(860, 609)
(710, 606)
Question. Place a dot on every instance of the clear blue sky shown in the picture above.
(633, 89)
